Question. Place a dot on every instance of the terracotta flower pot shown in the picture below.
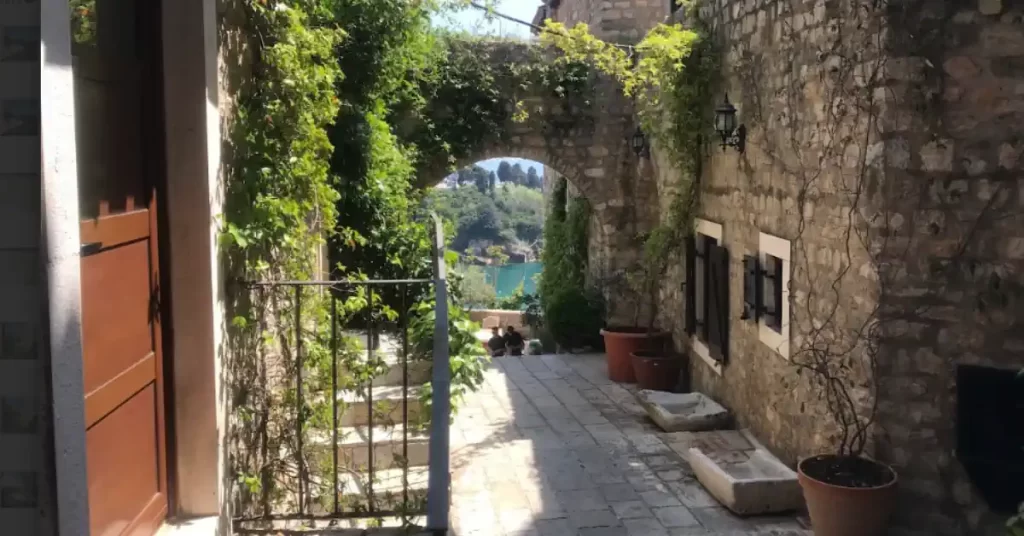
(847, 496)
(655, 370)
(619, 345)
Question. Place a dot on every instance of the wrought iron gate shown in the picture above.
(340, 407)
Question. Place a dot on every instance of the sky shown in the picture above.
(492, 164)
(476, 21)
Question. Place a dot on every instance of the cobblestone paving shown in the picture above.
(550, 447)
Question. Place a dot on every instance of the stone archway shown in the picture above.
(589, 147)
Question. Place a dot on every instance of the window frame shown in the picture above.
(701, 289)
(777, 336)
(698, 339)
(771, 296)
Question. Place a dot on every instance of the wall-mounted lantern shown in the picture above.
(725, 125)
(639, 143)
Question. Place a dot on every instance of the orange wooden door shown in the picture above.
(117, 129)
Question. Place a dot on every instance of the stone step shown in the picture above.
(678, 412)
(354, 409)
(387, 488)
(389, 349)
(354, 498)
(419, 372)
(738, 471)
(354, 447)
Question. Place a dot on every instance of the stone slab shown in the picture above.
(744, 476)
(675, 412)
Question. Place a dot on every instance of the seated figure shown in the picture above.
(514, 342)
(496, 344)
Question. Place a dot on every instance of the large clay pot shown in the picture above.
(619, 345)
(847, 496)
(656, 370)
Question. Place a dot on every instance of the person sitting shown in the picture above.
(514, 342)
(496, 344)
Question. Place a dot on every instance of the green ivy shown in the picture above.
(280, 195)
(572, 314)
(671, 74)
(466, 353)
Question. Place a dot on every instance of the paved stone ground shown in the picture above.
(550, 447)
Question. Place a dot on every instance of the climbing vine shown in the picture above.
(321, 158)
(572, 314)
(280, 194)
(670, 75)
(279, 206)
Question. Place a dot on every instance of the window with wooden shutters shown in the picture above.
(706, 296)
(702, 266)
(690, 290)
(718, 302)
(772, 292)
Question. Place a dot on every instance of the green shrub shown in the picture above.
(574, 319)
(475, 291)
(466, 354)
(517, 301)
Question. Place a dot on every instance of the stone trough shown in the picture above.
(739, 472)
(679, 412)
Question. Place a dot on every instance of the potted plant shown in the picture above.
(847, 493)
(638, 351)
(621, 341)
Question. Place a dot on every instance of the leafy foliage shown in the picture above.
(670, 74)
(517, 301)
(468, 359)
(280, 195)
(476, 291)
(390, 48)
(513, 216)
(572, 314)
(280, 203)
(83, 21)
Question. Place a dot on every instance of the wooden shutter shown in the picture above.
(718, 301)
(691, 286)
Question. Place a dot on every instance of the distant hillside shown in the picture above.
(488, 211)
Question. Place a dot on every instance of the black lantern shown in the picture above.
(725, 125)
(639, 142)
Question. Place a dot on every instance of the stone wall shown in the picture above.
(27, 504)
(589, 147)
(795, 181)
(615, 20)
(884, 145)
(955, 179)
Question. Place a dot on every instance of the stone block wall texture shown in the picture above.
(589, 146)
(623, 21)
(884, 143)
(796, 181)
(954, 179)
(26, 473)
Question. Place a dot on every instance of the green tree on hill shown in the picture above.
(505, 172)
(510, 216)
(517, 175)
(533, 180)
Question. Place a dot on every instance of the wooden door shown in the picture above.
(117, 130)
